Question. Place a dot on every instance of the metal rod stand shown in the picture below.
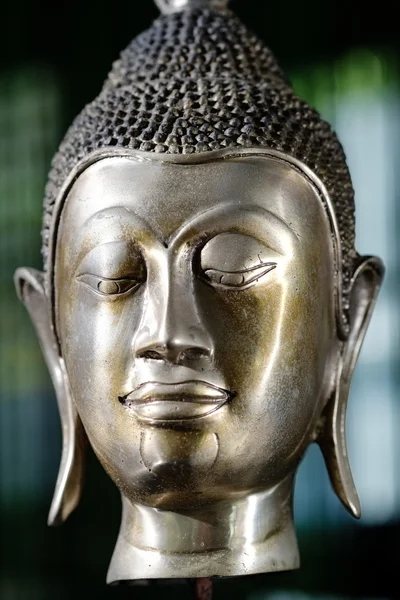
(202, 589)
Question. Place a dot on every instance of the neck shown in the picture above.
(239, 537)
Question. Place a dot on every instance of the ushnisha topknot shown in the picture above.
(198, 80)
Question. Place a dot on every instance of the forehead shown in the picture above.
(166, 196)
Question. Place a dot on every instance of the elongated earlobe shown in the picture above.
(30, 289)
(365, 286)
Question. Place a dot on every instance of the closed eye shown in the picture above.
(109, 287)
(238, 279)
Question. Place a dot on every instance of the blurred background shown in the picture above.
(343, 58)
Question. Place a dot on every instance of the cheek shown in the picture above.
(96, 339)
(288, 404)
(96, 336)
(272, 345)
(245, 326)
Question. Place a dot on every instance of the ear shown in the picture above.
(364, 289)
(29, 284)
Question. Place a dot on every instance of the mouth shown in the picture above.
(154, 401)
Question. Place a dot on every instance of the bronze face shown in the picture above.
(202, 305)
(195, 312)
(191, 319)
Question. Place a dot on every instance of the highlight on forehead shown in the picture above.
(121, 223)
(161, 198)
(212, 157)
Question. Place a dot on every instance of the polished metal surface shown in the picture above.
(31, 291)
(202, 305)
(170, 6)
(196, 313)
(172, 350)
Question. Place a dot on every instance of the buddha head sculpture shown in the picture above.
(202, 304)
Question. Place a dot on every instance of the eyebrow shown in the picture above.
(115, 249)
(108, 222)
(112, 212)
(248, 219)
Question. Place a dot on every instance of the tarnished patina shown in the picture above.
(202, 304)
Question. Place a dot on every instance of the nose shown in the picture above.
(174, 351)
(172, 328)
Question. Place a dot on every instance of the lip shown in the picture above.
(157, 401)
